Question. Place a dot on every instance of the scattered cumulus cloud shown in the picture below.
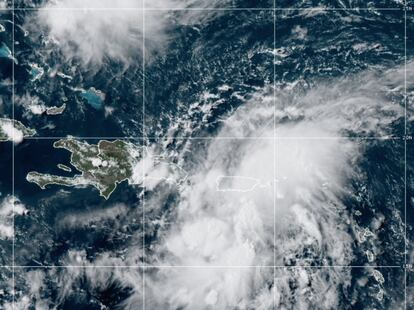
(9, 207)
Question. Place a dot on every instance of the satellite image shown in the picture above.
(206, 154)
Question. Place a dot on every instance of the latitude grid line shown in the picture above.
(198, 266)
(144, 266)
(221, 138)
(206, 9)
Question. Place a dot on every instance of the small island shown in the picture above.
(56, 110)
(236, 183)
(64, 168)
(36, 72)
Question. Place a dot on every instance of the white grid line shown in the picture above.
(222, 138)
(405, 155)
(144, 266)
(274, 156)
(143, 148)
(13, 165)
(197, 266)
(88, 9)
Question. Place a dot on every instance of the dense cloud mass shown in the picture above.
(94, 33)
(96, 30)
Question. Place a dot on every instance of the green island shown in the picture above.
(64, 167)
(56, 110)
(102, 165)
(14, 130)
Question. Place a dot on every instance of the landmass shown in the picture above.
(64, 76)
(93, 97)
(106, 164)
(102, 165)
(40, 109)
(46, 179)
(56, 110)
(236, 183)
(14, 130)
(36, 72)
(5, 52)
(64, 167)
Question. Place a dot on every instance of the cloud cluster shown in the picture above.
(92, 32)
(295, 215)
(296, 207)
(9, 207)
(97, 30)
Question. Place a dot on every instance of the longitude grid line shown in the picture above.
(13, 163)
(143, 149)
(274, 156)
(405, 154)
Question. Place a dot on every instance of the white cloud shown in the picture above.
(83, 219)
(152, 169)
(32, 104)
(363, 104)
(311, 177)
(12, 133)
(237, 228)
(92, 35)
(8, 206)
(98, 29)
(37, 109)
